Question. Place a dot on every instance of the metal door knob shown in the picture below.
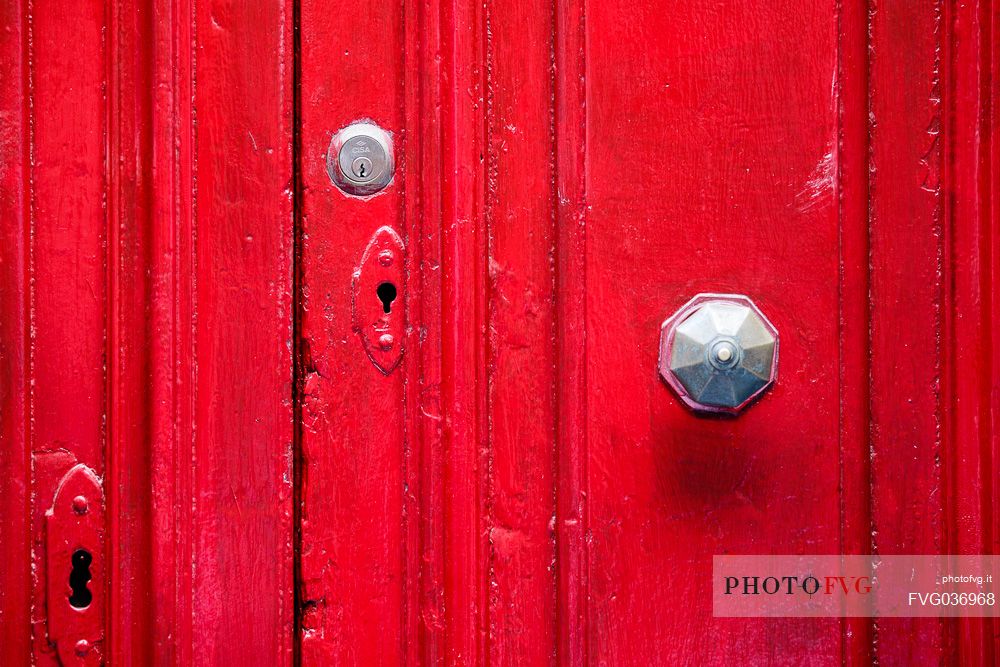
(718, 352)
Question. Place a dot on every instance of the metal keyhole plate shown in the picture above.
(360, 159)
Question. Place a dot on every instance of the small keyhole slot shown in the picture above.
(386, 294)
(78, 578)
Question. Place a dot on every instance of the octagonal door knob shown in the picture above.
(718, 352)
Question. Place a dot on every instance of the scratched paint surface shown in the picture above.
(177, 300)
(744, 184)
(147, 289)
(353, 449)
(574, 173)
(556, 503)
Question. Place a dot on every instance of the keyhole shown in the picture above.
(387, 294)
(79, 577)
(361, 170)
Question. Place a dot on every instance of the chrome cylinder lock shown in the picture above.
(718, 353)
(360, 160)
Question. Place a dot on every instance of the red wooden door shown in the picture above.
(191, 336)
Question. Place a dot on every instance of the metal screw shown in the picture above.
(724, 354)
(82, 647)
(385, 341)
(80, 505)
(385, 258)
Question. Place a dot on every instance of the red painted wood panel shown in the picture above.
(972, 302)
(176, 297)
(907, 297)
(173, 315)
(560, 202)
(15, 475)
(241, 484)
(465, 528)
(740, 197)
(130, 221)
(424, 613)
(147, 320)
(354, 448)
(520, 359)
(68, 286)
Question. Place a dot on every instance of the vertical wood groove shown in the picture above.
(129, 353)
(462, 333)
(970, 269)
(489, 631)
(855, 314)
(175, 366)
(571, 331)
(299, 344)
(15, 388)
(29, 297)
(421, 427)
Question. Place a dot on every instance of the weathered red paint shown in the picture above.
(188, 310)
(146, 319)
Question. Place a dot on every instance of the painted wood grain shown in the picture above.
(735, 192)
(67, 265)
(353, 446)
(15, 467)
(425, 424)
(971, 300)
(736, 152)
(176, 298)
(173, 314)
(906, 181)
(519, 222)
(147, 318)
(241, 484)
(129, 352)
